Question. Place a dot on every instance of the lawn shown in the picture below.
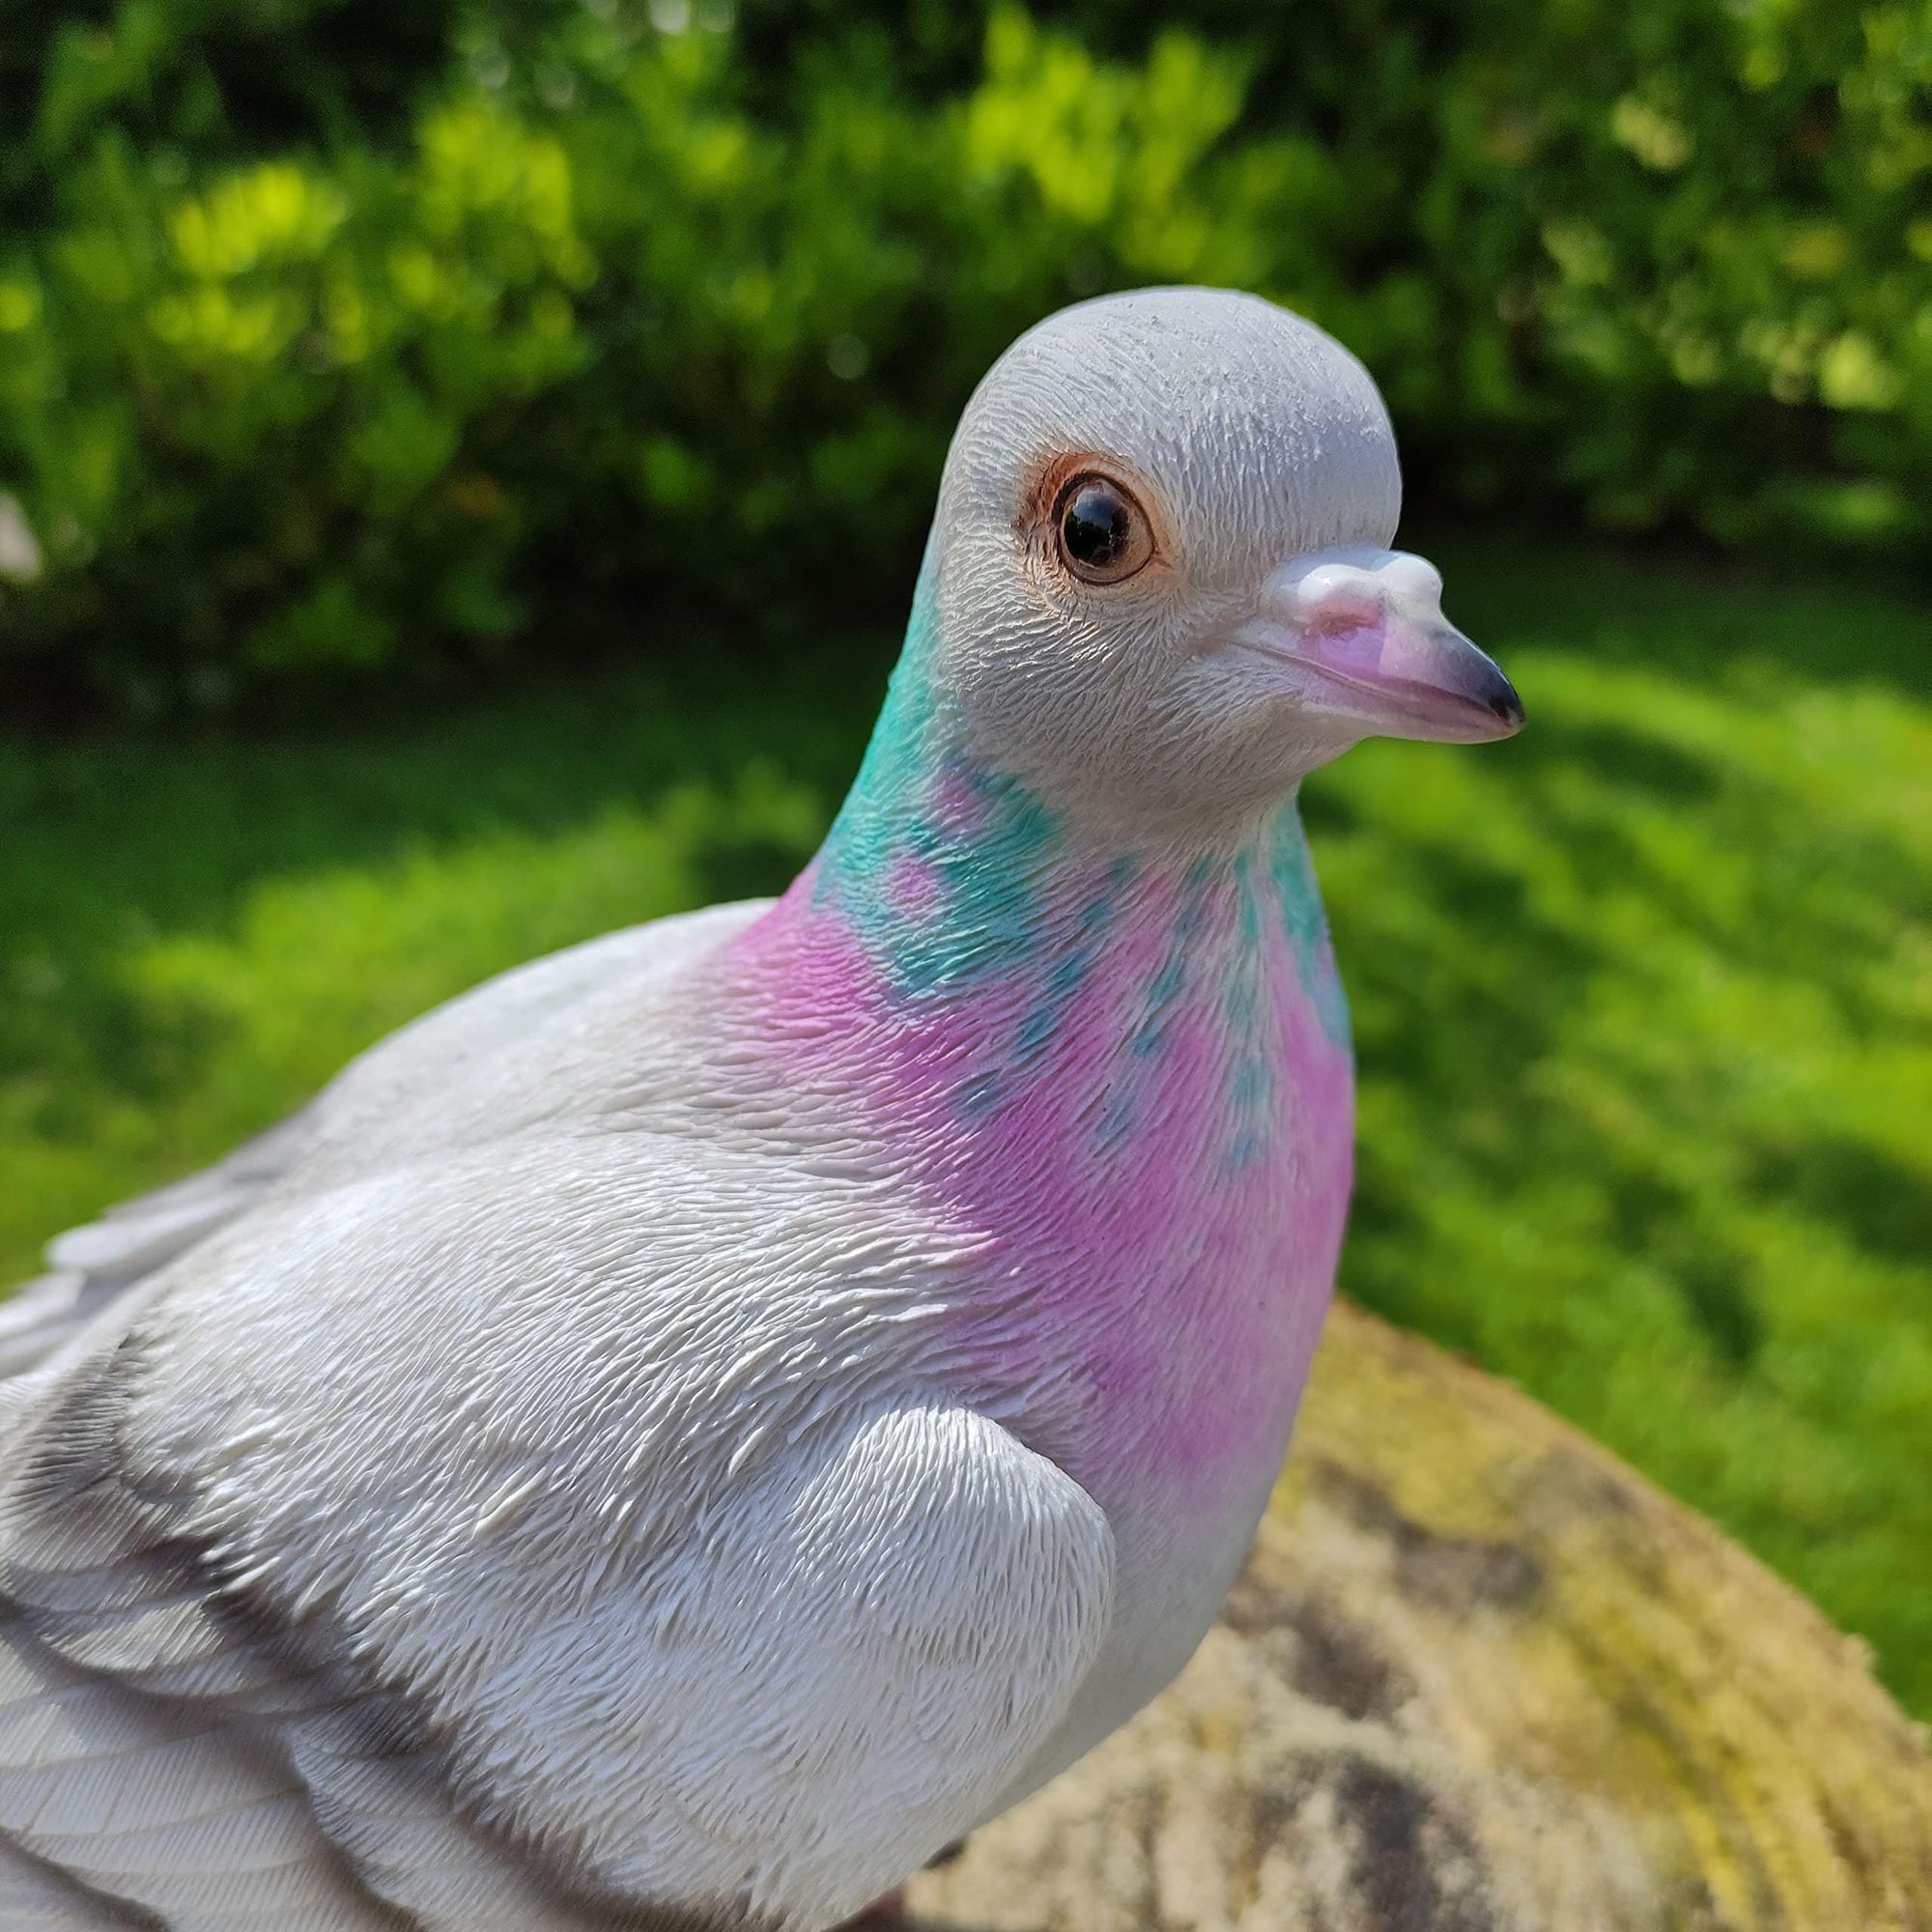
(1643, 999)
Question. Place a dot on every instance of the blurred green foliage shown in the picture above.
(343, 338)
(1643, 999)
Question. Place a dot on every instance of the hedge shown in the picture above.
(372, 338)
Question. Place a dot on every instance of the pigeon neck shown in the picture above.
(1121, 1076)
(961, 889)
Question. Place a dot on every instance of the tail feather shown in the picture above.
(43, 1314)
(92, 1266)
(34, 1897)
(133, 1799)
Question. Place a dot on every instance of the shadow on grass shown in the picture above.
(109, 850)
(1469, 979)
(1642, 1031)
(1698, 620)
(1478, 992)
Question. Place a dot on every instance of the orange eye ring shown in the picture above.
(1102, 533)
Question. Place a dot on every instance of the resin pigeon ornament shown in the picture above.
(681, 1434)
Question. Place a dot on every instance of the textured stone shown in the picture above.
(1478, 1677)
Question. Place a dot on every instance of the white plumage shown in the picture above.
(573, 1475)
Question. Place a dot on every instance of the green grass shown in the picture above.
(1644, 998)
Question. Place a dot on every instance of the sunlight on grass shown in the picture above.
(191, 944)
(1643, 1010)
(1643, 999)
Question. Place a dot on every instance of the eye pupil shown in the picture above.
(1105, 536)
(1097, 525)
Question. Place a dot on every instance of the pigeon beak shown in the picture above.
(1362, 637)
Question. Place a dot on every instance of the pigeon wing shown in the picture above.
(398, 1086)
(857, 1665)
(172, 1754)
(703, 1601)
(90, 1266)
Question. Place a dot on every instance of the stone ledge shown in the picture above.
(1478, 1676)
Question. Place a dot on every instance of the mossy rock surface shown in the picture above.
(1478, 1677)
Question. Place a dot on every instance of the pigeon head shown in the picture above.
(1160, 589)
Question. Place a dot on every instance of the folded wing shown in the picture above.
(394, 1101)
(841, 1618)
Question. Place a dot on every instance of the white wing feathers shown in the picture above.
(36, 1898)
(459, 1512)
(854, 1645)
(171, 1802)
(92, 1264)
(891, 1628)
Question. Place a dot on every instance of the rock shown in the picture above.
(1478, 1677)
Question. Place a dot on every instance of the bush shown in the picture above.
(340, 338)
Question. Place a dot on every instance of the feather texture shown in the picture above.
(675, 1437)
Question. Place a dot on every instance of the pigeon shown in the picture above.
(681, 1434)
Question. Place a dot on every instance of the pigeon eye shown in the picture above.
(1104, 534)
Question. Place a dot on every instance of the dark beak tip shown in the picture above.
(1505, 706)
